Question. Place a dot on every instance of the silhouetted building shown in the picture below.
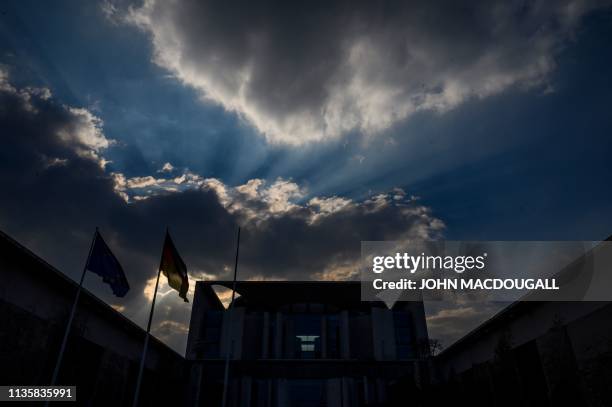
(104, 347)
(533, 354)
(304, 344)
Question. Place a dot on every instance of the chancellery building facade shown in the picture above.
(304, 344)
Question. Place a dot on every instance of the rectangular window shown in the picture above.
(307, 331)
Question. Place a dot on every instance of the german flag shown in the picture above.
(174, 268)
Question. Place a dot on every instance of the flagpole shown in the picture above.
(229, 335)
(58, 363)
(146, 343)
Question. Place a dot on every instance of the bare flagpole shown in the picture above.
(148, 335)
(229, 335)
(58, 363)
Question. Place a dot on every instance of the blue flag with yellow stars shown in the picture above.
(103, 262)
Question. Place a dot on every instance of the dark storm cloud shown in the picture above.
(56, 189)
(50, 172)
(317, 70)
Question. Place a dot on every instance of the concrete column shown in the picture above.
(245, 392)
(344, 335)
(366, 390)
(198, 372)
(269, 399)
(282, 393)
(265, 346)
(346, 393)
(334, 393)
(376, 334)
(324, 337)
(381, 389)
(278, 345)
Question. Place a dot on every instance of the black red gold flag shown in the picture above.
(173, 267)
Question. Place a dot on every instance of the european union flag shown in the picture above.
(102, 262)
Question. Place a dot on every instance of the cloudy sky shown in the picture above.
(312, 125)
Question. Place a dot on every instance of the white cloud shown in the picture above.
(317, 74)
(142, 182)
(327, 206)
(280, 195)
(167, 167)
(82, 132)
(85, 134)
(54, 162)
(142, 187)
(251, 188)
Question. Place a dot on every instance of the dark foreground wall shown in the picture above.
(104, 349)
(532, 354)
